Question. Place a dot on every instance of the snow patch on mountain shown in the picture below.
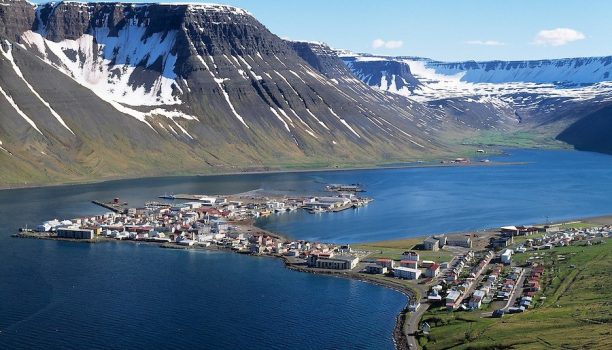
(500, 83)
(19, 111)
(8, 54)
(105, 64)
(4, 149)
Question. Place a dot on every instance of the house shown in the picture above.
(407, 273)
(409, 263)
(476, 300)
(432, 271)
(459, 241)
(425, 327)
(410, 255)
(502, 242)
(451, 298)
(388, 263)
(427, 263)
(518, 230)
(375, 269)
(431, 244)
(506, 256)
(338, 262)
(434, 297)
(256, 249)
(441, 240)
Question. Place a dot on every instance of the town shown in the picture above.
(494, 273)
(203, 221)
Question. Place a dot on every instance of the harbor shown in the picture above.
(200, 221)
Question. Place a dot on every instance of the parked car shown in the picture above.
(498, 313)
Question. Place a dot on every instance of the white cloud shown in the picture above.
(485, 42)
(390, 44)
(557, 37)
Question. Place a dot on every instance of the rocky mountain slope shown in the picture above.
(109, 89)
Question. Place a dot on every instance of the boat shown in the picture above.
(167, 196)
(316, 210)
(344, 188)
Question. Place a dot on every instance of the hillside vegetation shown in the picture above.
(575, 313)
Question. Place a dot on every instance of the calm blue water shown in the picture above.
(69, 295)
(554, 185)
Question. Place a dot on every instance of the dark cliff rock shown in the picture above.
(16, 16)
(591, 133)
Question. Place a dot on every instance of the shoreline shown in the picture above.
(399, 338)
(403, 319)
(257, 172)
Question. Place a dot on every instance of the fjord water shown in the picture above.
(124, 295)
(550, 186)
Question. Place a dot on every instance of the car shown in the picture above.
(498, 313)
(516, 310)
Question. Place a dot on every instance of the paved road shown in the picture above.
(518, 289)
(515, 294)
(413, 325)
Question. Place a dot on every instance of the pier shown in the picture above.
(115, 206)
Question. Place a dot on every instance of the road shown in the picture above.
(413, 325)
(518, 286)
(518, 289)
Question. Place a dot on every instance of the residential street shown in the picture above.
(413, 325)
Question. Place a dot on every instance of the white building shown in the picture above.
(506, 257)
(75, 232)
(410, 255)
(208, 201)
(476, 300)
(338, 262)
(407, 273)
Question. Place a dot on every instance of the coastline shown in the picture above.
(4, 187)
(399, 337)
(403, 320)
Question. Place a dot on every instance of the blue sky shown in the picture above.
(444, 29)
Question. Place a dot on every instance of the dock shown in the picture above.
(114, 206)
(183, 196)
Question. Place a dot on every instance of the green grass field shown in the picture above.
(518, 139)
(394, 249)
(574, 315)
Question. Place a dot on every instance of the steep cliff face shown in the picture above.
(562, 72)
(111, 89)
(16, 17)
(388, 75)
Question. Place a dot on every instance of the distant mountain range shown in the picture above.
(553, 93)
(101, 90)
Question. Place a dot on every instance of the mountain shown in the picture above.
(592, 132)
(104, 90)
(541, 95)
